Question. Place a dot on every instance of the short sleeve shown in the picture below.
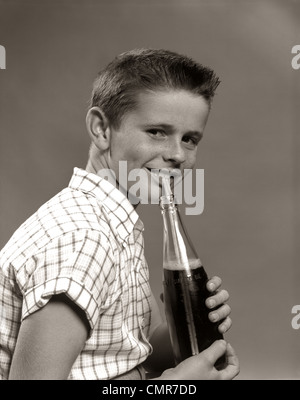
(78, 264)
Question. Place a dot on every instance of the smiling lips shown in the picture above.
(171, 172)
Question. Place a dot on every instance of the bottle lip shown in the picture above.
(168, 201)
(167, 197)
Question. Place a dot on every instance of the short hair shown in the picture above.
(117, 85)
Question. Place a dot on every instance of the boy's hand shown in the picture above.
(201, 366)
(217, 303)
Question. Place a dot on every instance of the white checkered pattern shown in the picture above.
(86, 242)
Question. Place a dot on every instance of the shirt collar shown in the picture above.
(121, 212)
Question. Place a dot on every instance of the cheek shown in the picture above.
(190, 160)
(139, 152)
(126, 150)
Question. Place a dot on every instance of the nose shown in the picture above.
(174, 153)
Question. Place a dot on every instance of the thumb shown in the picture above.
(215, 351)
(233, 366)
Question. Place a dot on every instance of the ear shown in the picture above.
(98, 128)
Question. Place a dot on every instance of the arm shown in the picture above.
(49, 341)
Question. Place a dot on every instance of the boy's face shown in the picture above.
(163, 131)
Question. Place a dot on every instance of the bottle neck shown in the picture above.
(178, 249)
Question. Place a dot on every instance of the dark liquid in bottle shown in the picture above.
(187, 315)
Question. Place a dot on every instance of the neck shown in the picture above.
(91, 166)
(94, 165)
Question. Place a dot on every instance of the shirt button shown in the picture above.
(40, 303)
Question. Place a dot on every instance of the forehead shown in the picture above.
(171, 107)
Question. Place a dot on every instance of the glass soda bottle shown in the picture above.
(184, 286)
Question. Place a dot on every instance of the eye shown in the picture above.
(156, 133)
(191, 140)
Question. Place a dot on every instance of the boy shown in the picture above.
(74, 281)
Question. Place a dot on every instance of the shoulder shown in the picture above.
(71, 210)
(69, 221)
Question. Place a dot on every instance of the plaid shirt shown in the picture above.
(86, 242)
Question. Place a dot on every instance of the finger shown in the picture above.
(213, 283)
(225, 325)
(220, 313)
(216, 299)
(233, 365)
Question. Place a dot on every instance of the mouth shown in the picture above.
(154, 174)
(164, 172)
(165, 178)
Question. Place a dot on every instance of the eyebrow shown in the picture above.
(169, 126)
